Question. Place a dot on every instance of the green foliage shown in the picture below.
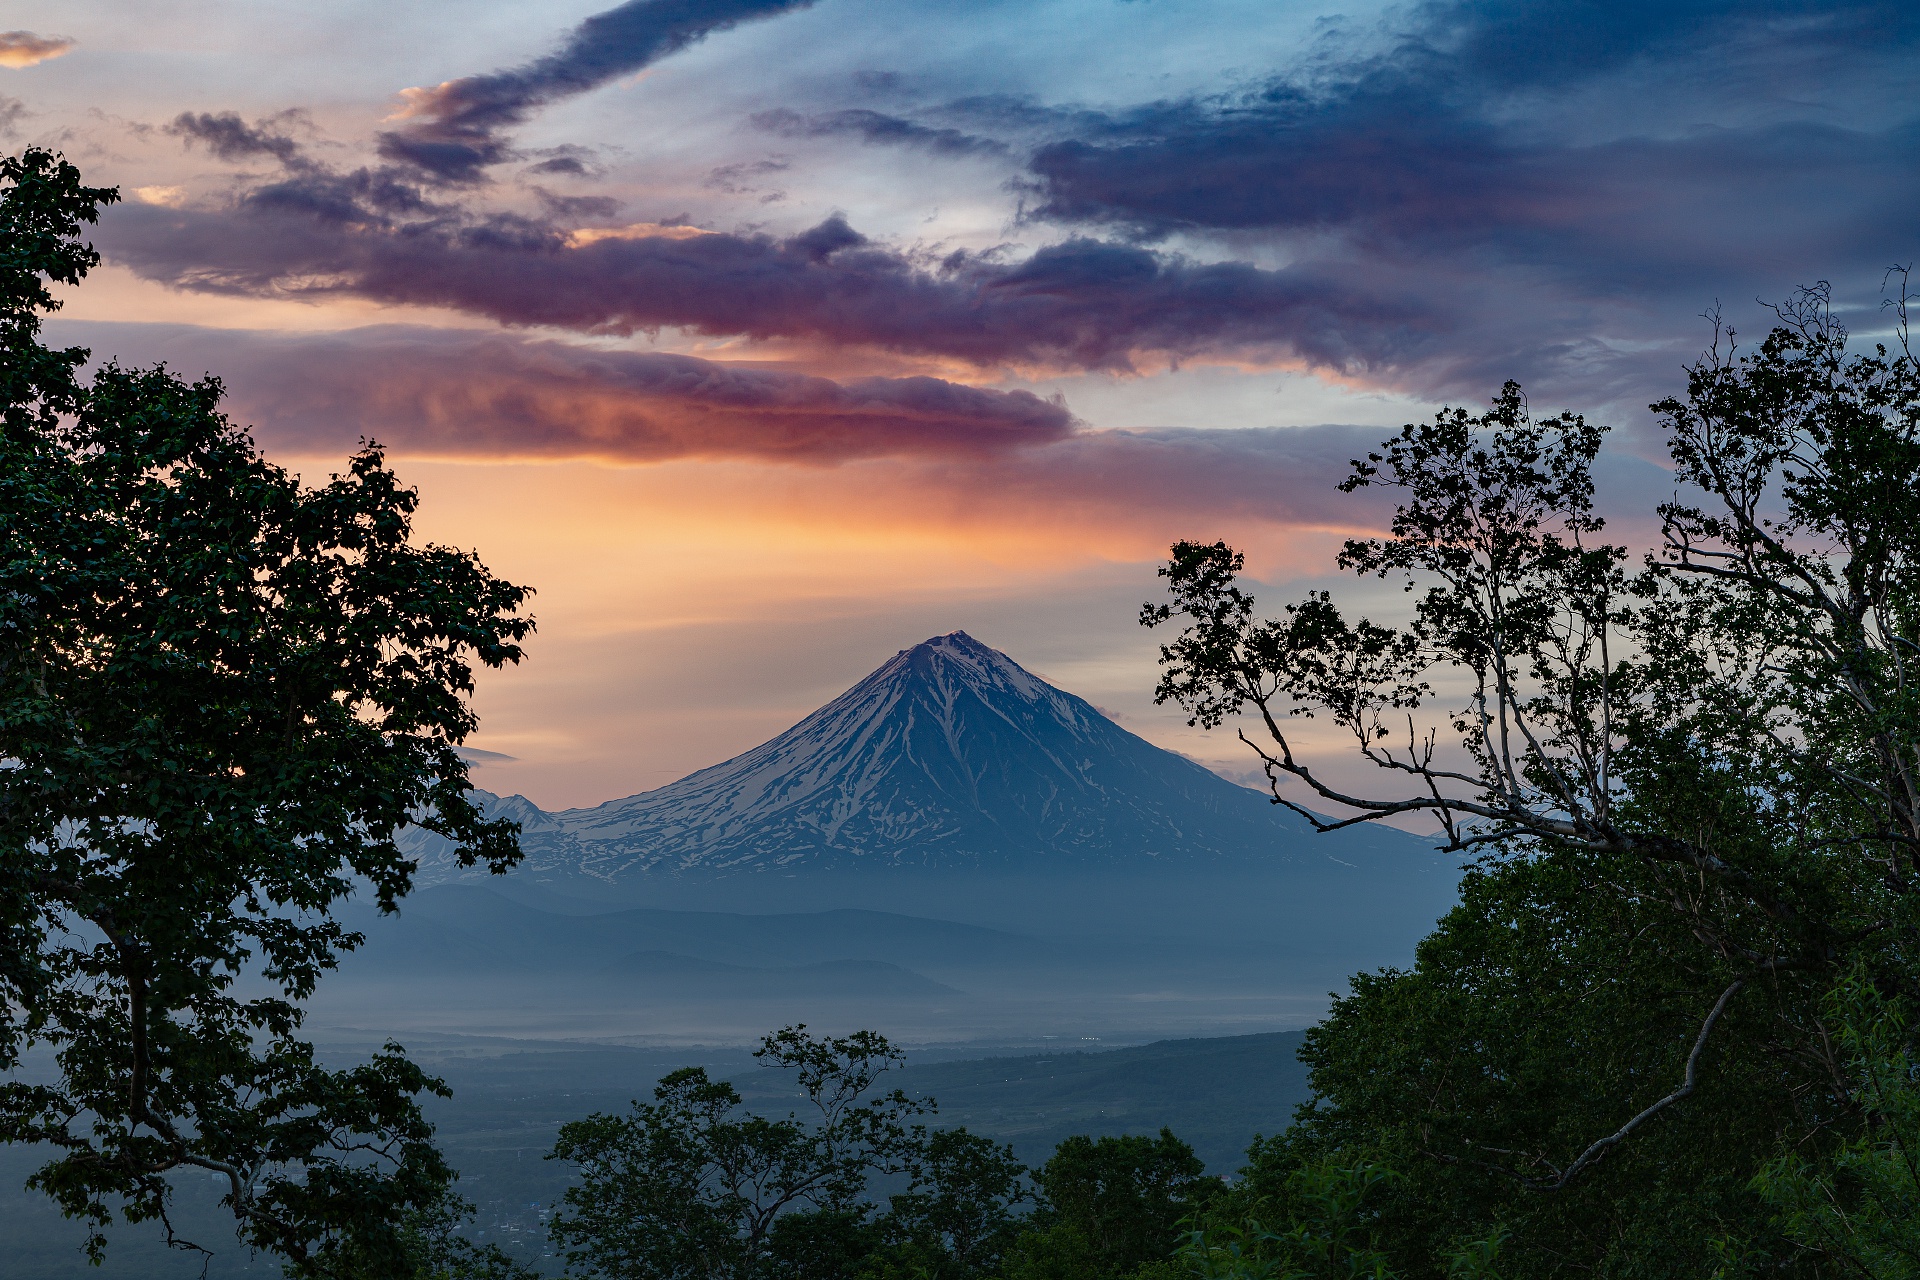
(222, 695)
(693, 1185)
(960, 1213)
(1688, 794)
(1321, 1222)
(435, 1249)
(1109, 1206)
(1539, 1012)
(822, 1244)
(1861, 1208)
(1325, 1228)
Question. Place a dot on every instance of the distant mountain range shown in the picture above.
(949, 757)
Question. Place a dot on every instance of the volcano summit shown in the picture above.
(950, 757)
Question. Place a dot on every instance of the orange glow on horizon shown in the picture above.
(690, 610)
(613, 548)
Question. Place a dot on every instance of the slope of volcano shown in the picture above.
(949, 757)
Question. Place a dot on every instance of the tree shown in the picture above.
(1110, 1206)
(692, 1184)
(1321, 1222)
(1689, 791)
(1538, 1011)
(222, 695)
(960, 1212)
(1863, 1210)
(434, 1249)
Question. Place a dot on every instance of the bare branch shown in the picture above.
(1593, 1154)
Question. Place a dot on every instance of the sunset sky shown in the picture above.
(765, 338)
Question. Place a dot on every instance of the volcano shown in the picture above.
(949, 757)
(952, 848)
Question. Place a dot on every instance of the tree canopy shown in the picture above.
(693, 1184)
(223, 693)
(1689, 790)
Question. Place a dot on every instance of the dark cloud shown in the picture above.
(570, 165)
(368, 198)
(1664, 220)
(565, 161)
(308, 188)
(1545, 191)
(574, 208)
(1490, 136)
(441, 393)
(455, 129)
(229, 137)
(477, 395)
(461, 393)
(1511, 44)
(743, 176)
(1081, 304)
(876, 127)
(12, 112)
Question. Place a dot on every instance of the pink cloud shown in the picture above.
(461, 393)
(25, 49)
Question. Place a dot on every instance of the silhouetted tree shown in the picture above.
(1109, 1206)
(961, 1212)
(693, 1184)
(1691, 791)
(222, 695)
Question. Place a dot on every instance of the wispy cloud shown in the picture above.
(453, 132)
(878, 127)
(1083, 304)
(999, 455)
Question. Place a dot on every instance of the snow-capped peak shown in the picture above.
(949, 754)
